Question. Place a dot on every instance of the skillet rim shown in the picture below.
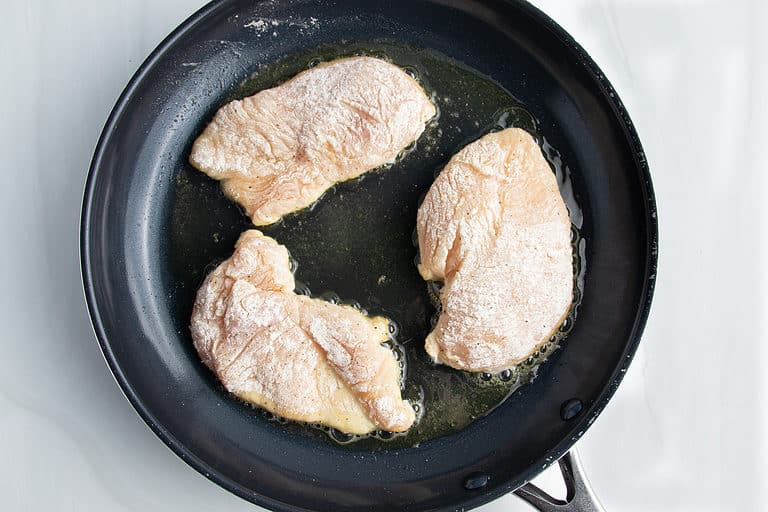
(473, 500)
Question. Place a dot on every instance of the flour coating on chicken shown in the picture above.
(495, 229)
(277, 151)
(301, 358)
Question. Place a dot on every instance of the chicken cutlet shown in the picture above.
(301, 358)
(277, 151)
(495, 230)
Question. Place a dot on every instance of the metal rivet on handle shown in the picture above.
(571, 408)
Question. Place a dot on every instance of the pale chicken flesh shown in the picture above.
(301, 358)
(279, 150)
(495, 230)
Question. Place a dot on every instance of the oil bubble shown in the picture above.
(331, 297)
(411, 72)
(415, 238)
(340, 437)
(385, 435)
(301, 289)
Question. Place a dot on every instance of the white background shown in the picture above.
(685, 432)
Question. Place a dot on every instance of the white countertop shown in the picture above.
(688, 428)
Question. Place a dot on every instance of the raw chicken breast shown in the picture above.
(494, 228)
(277, 151)
(298, 357)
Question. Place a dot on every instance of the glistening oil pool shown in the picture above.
(355, 245)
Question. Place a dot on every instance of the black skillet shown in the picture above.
(151, 227)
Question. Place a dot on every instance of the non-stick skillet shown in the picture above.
(152, 227)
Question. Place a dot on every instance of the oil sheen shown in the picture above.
(355, 245)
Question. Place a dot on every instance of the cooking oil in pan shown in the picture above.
(357, 239)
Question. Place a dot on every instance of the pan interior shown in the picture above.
(357, 243)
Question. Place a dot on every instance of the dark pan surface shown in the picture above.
(151, 227)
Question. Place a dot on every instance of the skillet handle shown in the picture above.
(579, 494)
